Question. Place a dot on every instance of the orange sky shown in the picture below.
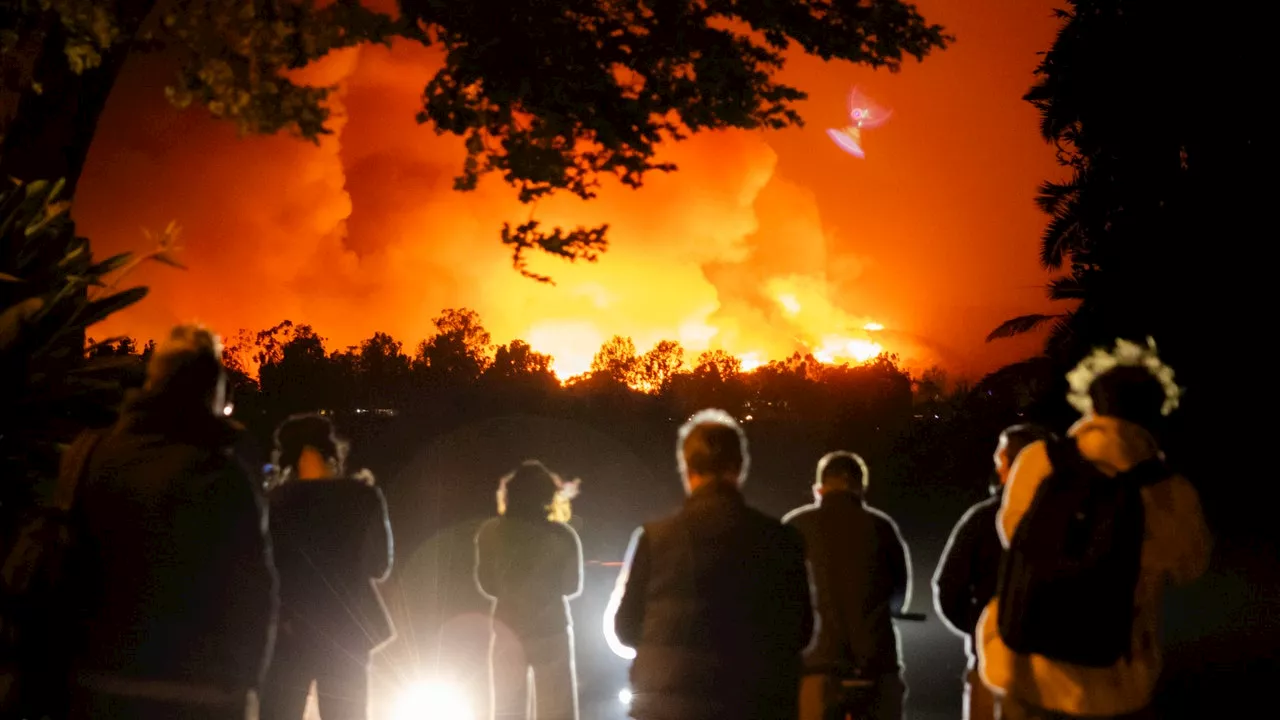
(933, 235)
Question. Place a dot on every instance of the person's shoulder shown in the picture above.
(564, 531)
(800, 514)
(883, 520)
(981, 511)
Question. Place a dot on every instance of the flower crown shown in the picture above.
(1129, 354)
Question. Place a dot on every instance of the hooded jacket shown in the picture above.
(1176, 549)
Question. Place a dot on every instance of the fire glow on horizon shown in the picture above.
(573, 345)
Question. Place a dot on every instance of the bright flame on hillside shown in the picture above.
(811, 324)
(751, 361)
(841, 350)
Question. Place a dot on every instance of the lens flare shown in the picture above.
(433, 700)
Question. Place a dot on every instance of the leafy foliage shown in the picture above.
(1152, 171)
(51, 290)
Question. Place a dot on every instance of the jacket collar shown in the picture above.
(716, 492)
(839, 498)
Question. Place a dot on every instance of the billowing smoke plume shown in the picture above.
(364, 233)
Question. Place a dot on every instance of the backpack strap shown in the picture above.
(1063, 452)
(75, 461)
(1148, 472)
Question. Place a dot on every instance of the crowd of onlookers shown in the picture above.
(194, 591)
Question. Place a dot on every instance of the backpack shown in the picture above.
(33, 589)
(1067, 582)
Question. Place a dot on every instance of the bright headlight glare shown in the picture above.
(432, 701)
(624, 696)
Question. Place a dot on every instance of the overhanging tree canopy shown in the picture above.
(554, 96)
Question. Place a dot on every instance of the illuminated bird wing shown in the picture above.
(865, 112)
(847, 142)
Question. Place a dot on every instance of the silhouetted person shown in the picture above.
(332, 543)
(714, 599)
(179, 591)
(861, 576)
(965, 580)
(529, 563)
(1122, 396)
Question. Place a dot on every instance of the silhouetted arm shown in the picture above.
(627, 603)
(571, 566)
(796, 606)
(252, 587)
(486, 561)
(379, 549)
(1191, 536)
(953, 580)
(898, 559)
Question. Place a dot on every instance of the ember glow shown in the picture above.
(762, 244)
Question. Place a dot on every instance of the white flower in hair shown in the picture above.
(1128, 354)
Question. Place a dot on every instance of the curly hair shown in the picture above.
(532, 491)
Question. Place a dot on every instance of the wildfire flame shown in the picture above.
(574, 343)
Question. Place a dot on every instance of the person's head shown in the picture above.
(307, 448)
(841, 471)
(1013, 440)
(711, 449)
(533, 492)
(1130, 383)
(186, 370)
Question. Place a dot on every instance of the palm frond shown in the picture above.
(1051, 197)
(1020, 326)
(1066, 288)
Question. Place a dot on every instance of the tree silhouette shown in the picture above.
(383, 373)
(616, 363)
(297, 373)
(1149, 178)
(553, 97)
(516, 360)
(657, 367)
(459, 351)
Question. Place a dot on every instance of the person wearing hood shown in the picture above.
(1123, 396)
(965, 580)
(177, 591)
(333, 542)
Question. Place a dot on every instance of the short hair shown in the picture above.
(1017, 437)
(533, 491)
(303, 431)
(1130, 393)
(843, 466)
(187, 365)
(712, 444)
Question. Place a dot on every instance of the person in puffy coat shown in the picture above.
(714, 599)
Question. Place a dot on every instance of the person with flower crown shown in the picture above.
(529, 564)
(1123, 394)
